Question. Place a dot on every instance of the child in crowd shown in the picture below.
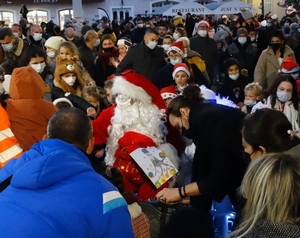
(92, 95)
(252, 96)
(123, 47)
(234, 83)
(181, 74)
(61, 103)
(108, 84)
(168, 94)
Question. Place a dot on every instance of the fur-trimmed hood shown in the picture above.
(66, 65)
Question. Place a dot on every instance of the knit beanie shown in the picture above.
(125, 41)
(54, 42)
(242, 31)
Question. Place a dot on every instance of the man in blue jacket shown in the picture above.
(54, 191)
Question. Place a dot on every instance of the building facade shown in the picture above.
(57, 10)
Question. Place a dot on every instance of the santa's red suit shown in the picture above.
(134, 178)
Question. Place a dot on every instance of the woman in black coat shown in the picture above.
(218, 165)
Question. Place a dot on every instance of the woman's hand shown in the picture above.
(168, 196)
(91, 112)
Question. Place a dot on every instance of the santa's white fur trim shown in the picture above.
(135, 210)
(181, 69)
(122, 86)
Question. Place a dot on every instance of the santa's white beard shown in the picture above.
(139, 117)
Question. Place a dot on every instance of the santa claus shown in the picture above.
(137, 120)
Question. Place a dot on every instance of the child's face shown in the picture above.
(65, 52)
(67, 75)
(181, 78)
(109, 95)
(232, 70)
(93, 101)
(167, 101)
(251, 96)
(122, 49)
(167, 41)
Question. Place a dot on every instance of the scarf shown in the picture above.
(105, 56)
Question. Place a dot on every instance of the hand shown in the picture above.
(168, 196)
(91, 112)
(112, 61)
(99, 153)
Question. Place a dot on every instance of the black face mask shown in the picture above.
(275, 46)
(186, 133)
(110, 49)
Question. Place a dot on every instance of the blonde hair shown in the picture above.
(92, 91)
(69, 45)
(254, 87)
(271, 186)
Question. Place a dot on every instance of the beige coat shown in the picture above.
(267, 66)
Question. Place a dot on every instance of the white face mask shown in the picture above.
(151, 44)
(51, 54)
(175, 36)
(8, 47)
(39, 68)
(16, 34)
(252, 39)
(147, 26)
(283, 96)
(140, 25)
(202, 33)
(234, 76)
(178, 60)
(242, 40)
(295, 75)
(37, 36)
(165, 47)
(70, 80)
(70, 39)
(97, 43)
(249, 103)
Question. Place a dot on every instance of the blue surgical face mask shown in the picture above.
(286, 24)
(173, 62)
(234, 76)
(269, 24)
(299, 30)
(151, 45)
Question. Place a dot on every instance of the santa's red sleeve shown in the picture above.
(101, 124)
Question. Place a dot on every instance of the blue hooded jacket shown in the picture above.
(55, 192)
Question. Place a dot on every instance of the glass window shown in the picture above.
(37, 16)
(8, 17)
(62, 16)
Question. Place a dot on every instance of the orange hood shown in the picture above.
(26, 83)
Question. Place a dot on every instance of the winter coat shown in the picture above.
(218, 166)
(28, 112)
(60, 195)
(207, 48)
(143, 61)
(246, 55)
(138, 35)
(9, 147)
(177, 20)
(267, 229)
(222, 33)
(233, 89)
(267, 66)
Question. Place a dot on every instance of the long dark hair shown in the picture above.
(190, 95)
(279, 34)
(273, 90)
(269, 128)
(32, 52)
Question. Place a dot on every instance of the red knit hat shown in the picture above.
(178, 47)
(168, 92)
(181, 67)
(137, 87)
(289, 66)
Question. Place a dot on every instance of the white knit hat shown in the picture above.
(54, 42)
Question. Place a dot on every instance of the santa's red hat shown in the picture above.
(137, 87)
(205, 22)
(178, 47)
(289, 66)
(168, 92)
(181, 67)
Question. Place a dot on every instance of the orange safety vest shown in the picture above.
(9, 147)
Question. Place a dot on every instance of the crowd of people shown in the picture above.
(77, 103)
